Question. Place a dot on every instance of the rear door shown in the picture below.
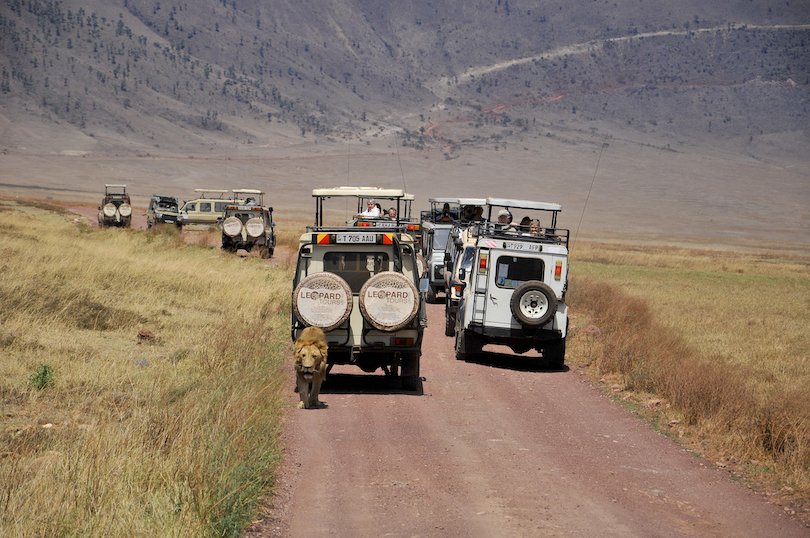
(499, 272)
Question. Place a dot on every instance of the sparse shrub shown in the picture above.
(42, 377)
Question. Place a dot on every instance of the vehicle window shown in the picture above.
(205, 206)
(355, 267)
(220, 206)
(440, 236)
(512, 271)
(191, 207)
(467, 259)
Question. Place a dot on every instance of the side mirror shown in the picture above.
(462, 274)
(424, 285)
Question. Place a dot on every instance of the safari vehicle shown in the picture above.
(360, 284)
(115, 208)
(249, 225)
(513, 285)
(207, 209)
(437, 223)
(162, 210)
(404, 208)
(456, 256)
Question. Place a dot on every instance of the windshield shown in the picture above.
(467, 259)
(355, 267)
(440, 236)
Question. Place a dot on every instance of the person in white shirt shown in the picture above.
(372, 211)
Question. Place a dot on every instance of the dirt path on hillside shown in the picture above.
(495, 448)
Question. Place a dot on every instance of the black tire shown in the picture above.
(449, 325)
(554, 354)
(533, 303)
(430, 296)
(467, 344)
(270, 252)
(409, 371)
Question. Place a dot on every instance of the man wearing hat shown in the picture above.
(505, 221)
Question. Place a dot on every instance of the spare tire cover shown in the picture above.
(322, 300)
(389, 301)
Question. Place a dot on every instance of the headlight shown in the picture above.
(232, 226)
(158, 215)
(255, 227)
(125, 210)
(109, 210)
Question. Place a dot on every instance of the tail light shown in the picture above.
(412, 227)
(363, 223)
(403, 341)
(558, 270)
(482, 263)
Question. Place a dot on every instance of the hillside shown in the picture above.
(138, 74)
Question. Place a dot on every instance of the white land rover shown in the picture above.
(360, 284)
(513, 292)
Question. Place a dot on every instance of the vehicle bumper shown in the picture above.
(511, 335)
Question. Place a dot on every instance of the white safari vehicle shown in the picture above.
(360, 284)
(513, 291)
(437, 223)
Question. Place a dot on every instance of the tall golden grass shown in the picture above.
(723, 338)
(171, 434)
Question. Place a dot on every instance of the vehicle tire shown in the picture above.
(264, 252)
(409, 371)
(322, 300)
(467, 344)
(449, 325)
(270, 252)
(554, 354)
(533, 303)
(389, 301)
(430, 296)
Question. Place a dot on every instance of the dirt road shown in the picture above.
(496, 449)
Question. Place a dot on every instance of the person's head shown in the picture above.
(479, 212)
(392, 212)
(446, 208)
(535, 228)
(370, 205)
(525, 221)
(504, 216)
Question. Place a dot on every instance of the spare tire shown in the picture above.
(533, 303)
(322, 300)
(389, 301)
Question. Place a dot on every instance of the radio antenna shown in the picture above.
(588, 197)
(348, 159)
(401, 171)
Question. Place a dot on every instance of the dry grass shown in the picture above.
(722, 338)
(174, 435)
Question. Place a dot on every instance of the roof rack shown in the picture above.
(247, 191)
(523, 204)
(366, 192)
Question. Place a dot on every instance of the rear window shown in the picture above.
(205, 206)
(440, 236)
(512, 271)
(355, 267)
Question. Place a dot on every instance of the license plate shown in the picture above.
(356, 238)
(526, 247)
(384, 224)
(168, 221)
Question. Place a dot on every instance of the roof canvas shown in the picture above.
(247, 191)
(211, 190)
(108, 185)
(366, 192)
(523, 204)
(472, 201)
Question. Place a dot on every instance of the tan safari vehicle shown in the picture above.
(361, 285)
(115, 208)
(207, 209)
(248, 224)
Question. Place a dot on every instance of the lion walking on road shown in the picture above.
(310, 352)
